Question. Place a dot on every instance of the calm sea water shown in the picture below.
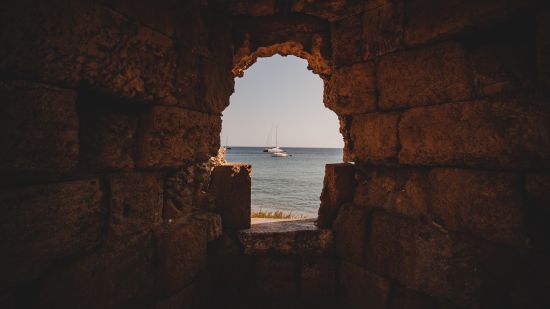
(287, 184)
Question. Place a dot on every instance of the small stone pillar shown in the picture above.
(338, 188)
(231, 188)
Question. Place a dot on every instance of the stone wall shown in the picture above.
(444, 105)
(110, 115)
(110, 121)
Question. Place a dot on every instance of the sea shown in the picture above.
(292, 184)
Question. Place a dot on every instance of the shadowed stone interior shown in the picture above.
(113, 193)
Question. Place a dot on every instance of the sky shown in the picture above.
(280, 92)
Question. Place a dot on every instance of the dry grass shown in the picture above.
(275, 215)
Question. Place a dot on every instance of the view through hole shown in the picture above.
(279, 103)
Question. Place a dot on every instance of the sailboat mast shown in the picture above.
(277, 136)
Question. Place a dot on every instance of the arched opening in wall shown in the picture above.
(277, 122)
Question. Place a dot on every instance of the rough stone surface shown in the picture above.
(382, 27)
(543, 48)
(212, 222)
(538, 190)
(408, 299)
(331, 10)
(294, 237)
(363, 289)
(135, 204)
(186, 190)
(318, 279)
(108, 140)
(306, 37)
(58, 219)
(40, 128)
(182, 299)
(252, 8)
(451, 208)
(90, 44)
(181, 252)
(484, 203)
(511, 134)
(351, 232)
(171, 136)
(399, 190)
(159, 15)
(352, 90)
(375, 137)
(338, 188)
(425, 76)
(275, 277)
(451, 17)
(432, 261)
(503, 64)
(109, 278)
(346, 41)
(231, 188)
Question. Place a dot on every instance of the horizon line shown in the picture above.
(281, 146)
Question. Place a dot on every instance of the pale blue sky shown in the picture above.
(280, 91)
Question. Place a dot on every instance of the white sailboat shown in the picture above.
(269, 141)
(275, 149)
(282, 154)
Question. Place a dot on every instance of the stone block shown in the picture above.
(383, 24)
(351, 232)
(404, 298)
(425, 76)
(182, 299)
(510, 134)
(276, 277)
(39, 224)
(399, 190)
(543, 48)
(318, 279)
(252, 8)
(488, 204)
(39, 128)
(362, 288)
(390, 240)
(181, 253)
(338, 188)
(346, 41)
(351, 90)
(136, 201)
(91, 44)
(186, 190)
(455, 16)
(375, 137)
(293, 237)
(158, 15)
(171, 136)
(113, 277)
(538, 190)
(503, 62)
(231, 187)
(234, 281)
(331, 10)
(108, 140)
(435, 262)
(212, 223)
(216, 84)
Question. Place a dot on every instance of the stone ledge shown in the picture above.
(297, 237)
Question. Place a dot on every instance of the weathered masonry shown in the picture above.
(109, 133)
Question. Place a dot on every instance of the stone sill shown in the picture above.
(287, 237)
